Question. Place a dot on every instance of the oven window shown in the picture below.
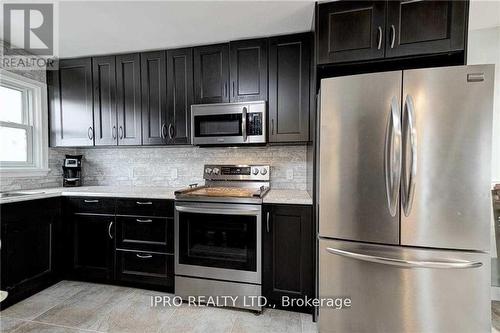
(218, 125)
(220, 241)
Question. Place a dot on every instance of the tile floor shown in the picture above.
(70, 307)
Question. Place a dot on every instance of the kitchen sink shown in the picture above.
(17, 194)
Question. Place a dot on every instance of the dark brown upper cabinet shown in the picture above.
(154, 98)
(211, 74)
(248, 70)
(289, 78)
(128, 99)
(351, 31)
(179, 95)
(70, 104)
(104, 78)
(423, 27)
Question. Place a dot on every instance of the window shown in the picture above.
(23, 126)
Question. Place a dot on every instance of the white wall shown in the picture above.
(484, 48)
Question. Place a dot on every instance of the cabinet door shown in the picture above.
(211, 74)
(128, 99)
(26, 251)
(93, 246)
(70, 94)
(104, 81)
(350, 31)
(154, 98)
(288, 243)
(179, 95)
(289, 77)
(425, 27)
(248, 70)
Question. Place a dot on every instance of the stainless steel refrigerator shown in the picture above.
(404, 200)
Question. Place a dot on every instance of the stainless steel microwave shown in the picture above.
(228, 123)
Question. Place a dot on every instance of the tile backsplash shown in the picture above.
(53, 179)
(178, 167)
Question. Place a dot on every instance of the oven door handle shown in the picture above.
(219, 211)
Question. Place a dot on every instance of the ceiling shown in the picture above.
(103, 27)
(98, 27)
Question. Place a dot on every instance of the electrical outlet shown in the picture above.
(289, 174)
(173, 173)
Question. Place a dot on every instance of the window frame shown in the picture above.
(35, 122)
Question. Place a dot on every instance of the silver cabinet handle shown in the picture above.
(109, 230)
(121, 132)
(379, 32)
(392, 157)
(90, 133)
(91, 201)
(143, 256)
(272, 126)
(393, 35)
(162, 130)
(244, 124)
(225, 89)
(267, 222)
(233, 90)
(113, 132)
(144, 202)
(144, 221)
(170, 132)
(457, 264)
(409, 180)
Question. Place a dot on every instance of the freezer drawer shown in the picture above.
(417, 290)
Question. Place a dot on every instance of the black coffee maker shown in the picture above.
(72, 171)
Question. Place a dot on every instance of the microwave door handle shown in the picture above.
(244, 124)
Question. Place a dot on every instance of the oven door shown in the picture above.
(218, 241)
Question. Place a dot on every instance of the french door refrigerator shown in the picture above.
(404, 200)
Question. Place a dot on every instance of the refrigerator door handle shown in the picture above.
(392, 158)
(409, 181)
(450, 264)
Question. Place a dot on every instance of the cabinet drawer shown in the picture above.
(95, 205)
(145, 233)
(145, 207)
(145, 268)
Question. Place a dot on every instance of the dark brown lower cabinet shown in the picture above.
(145, 268)
(29, 242)
(288, 254)
(93, 247)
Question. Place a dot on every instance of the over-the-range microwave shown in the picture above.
(228, 123)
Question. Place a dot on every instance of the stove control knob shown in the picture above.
(255, 171)
(208, 171)
(216, 171)
(263, 171)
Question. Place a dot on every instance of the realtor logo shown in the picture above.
(28, 27)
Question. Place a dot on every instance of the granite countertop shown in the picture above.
(295, 197)
(292, 197)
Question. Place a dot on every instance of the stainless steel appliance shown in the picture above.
(228, 123)
(72, 171)
(218, 234)
(404, 200)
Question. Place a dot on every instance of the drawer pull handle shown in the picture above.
(144, 221)
(144, 202)
(91, 201)
(143, 256)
